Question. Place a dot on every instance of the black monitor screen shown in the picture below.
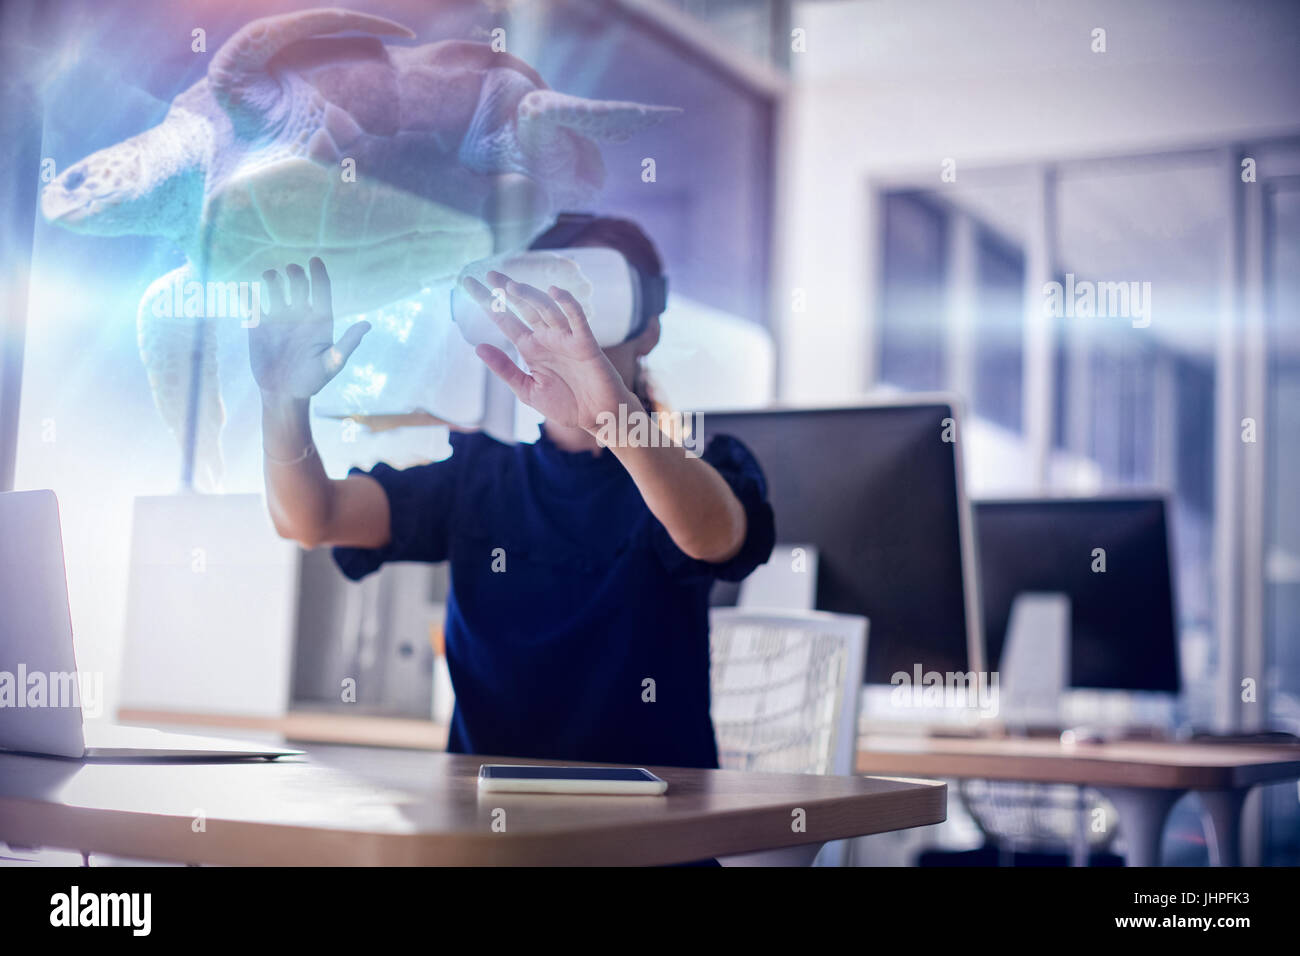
(1122, 633)
(875, 490)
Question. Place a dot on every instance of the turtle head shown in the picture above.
(150, 184)
(98, 194)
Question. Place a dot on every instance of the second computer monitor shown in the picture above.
(876, 489)
(1110, 557)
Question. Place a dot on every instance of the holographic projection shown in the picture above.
(317, 133)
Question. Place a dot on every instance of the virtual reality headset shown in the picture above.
(617, 298)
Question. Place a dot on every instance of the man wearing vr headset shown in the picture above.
(577, 623)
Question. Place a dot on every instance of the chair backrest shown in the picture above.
(786, 688)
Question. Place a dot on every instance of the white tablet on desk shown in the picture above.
(524, 778)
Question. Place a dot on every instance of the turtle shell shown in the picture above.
(392, 165)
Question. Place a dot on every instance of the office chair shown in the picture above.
(785, 700)
(1021, 817)
(1035, 817)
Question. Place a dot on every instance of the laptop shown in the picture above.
(41, 690)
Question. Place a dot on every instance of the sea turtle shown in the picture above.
(396, 165)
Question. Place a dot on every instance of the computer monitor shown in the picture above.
(877, 489)
(1122, 633)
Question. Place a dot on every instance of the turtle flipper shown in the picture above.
(542, 114)
(557, 136)
(239, 78)
(174, 348)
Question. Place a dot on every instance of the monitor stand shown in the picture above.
(1036, 697)
(1035, 663)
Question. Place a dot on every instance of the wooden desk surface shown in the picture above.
(1176, 765)
(344, 805)
(302, 726)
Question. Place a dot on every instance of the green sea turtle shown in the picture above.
(396, 165)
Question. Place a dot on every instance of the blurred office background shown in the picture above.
(862, 196)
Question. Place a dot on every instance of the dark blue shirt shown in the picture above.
(568, 597)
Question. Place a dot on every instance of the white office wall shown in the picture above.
(891, 87)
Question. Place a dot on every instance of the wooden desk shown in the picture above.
(344, 806)
(302, 726)
(1143, 779)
